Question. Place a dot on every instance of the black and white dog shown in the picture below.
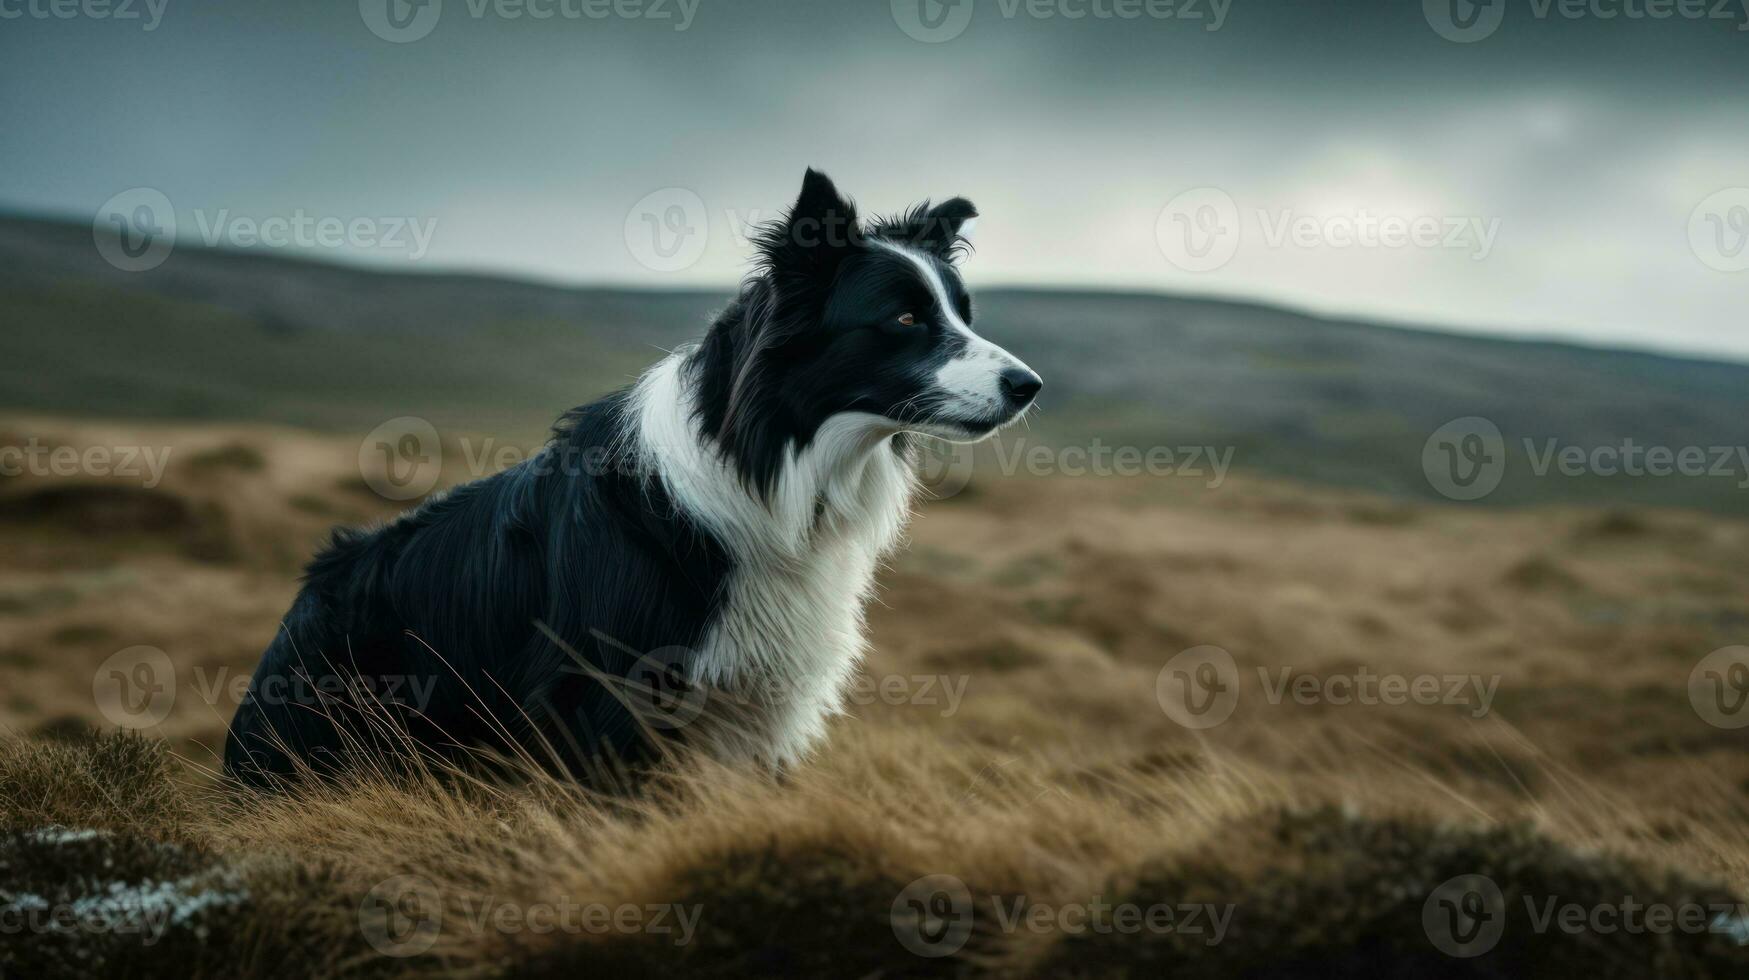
(739, 498)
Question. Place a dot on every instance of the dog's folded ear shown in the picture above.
(943, 224)
(936, 230)
(816, 234)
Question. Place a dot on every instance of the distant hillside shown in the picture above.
(223, 335)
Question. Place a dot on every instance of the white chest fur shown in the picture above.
(789, 637)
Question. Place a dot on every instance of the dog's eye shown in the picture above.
(907, 320)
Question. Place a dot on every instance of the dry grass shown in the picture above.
(1322, 872)
(1017, 745)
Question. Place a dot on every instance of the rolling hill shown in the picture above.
(222, 335)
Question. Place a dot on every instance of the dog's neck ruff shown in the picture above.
(790, 633)
(846, 486)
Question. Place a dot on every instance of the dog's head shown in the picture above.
(843, 317)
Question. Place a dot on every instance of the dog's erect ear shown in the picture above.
(813, 237)
(820, 200)
(935, 230)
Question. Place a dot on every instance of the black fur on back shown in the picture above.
(435, 614)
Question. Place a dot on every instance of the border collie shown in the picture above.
(722, 537)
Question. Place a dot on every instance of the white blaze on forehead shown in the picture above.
(932, 278)
(978, 365)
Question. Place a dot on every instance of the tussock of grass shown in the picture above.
(799, 876)
(118, 782)
(107, 869)
(1324, 893)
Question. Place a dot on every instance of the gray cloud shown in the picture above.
(1587, 142)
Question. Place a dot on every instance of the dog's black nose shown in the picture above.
(1020, 385)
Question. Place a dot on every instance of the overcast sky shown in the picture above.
(1553, 175)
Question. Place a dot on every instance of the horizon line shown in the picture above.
(1542, 336)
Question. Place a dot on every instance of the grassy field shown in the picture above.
(1299, 717)
(1019, 786)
